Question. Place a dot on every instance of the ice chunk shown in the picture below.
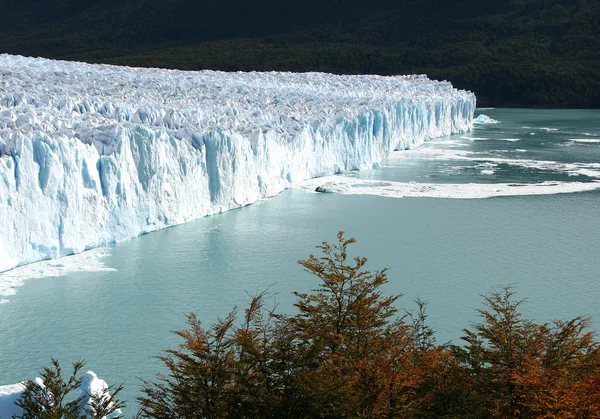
(484, 119)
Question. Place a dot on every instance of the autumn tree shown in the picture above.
(345, 353)
(348, 352)
(519, 368)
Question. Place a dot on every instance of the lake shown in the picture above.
(537, 228)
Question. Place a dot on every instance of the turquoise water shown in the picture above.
(445, 251)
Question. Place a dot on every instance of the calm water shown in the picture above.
(445, 251)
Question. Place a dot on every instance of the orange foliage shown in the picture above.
(348, 353)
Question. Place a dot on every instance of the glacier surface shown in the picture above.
(95, 154)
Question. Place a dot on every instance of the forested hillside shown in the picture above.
(509, 52)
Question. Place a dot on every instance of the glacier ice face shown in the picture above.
(95, 154)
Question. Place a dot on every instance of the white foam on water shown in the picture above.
(487, 168)
(90, 261)
(548, 129)
(349, 186)
(447, 143)
(512, 140)
(430, 154)
(584, 140)
(475, 138)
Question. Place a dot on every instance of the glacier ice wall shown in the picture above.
(94, 154)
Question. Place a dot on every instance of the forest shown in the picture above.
(511, 53)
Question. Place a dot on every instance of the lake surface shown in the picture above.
(445, 251)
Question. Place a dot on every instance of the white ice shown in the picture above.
(484, 119)
(584, 140)
(92, 386)
(487, 165)
(91, 261)
(95, 154)
(353, 186)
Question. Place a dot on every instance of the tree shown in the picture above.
(50, 397)
(345, 353)
(518, 368)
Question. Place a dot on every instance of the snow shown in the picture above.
(90, 385)
(94, 154)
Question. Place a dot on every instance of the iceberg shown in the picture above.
(95, 154)
(484, 119)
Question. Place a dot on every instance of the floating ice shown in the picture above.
(95, 154)
(591, 170)
(91, 261)
(584, 140)
(349, 186)
(475, 138)
(484, 119)
(512, 140)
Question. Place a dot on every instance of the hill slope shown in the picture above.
(509, 52)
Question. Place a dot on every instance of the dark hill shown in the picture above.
(509, 52)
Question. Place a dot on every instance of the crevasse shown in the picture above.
(94, 154)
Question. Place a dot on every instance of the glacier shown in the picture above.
(96, 154)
